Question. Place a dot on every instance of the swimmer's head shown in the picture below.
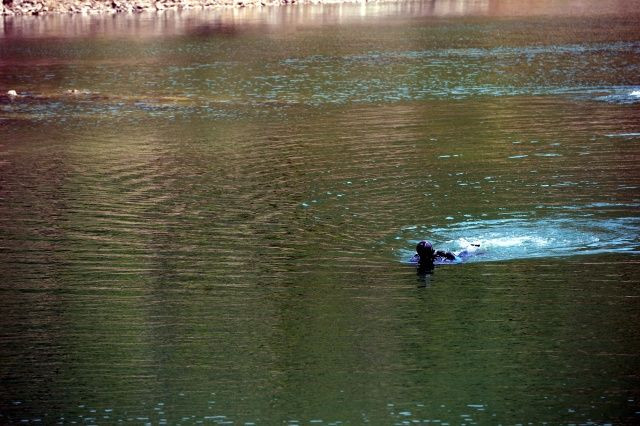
(425, 249)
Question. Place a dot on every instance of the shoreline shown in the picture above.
(100, 7)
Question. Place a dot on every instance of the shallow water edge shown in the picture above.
(19, 7)
(30, 8)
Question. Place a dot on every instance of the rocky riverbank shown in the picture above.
(37, 7)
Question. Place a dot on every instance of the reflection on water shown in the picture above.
(212, 228)
(231, 21)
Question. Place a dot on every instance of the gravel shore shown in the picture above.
(37, 7)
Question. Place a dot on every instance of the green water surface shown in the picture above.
(212, 226)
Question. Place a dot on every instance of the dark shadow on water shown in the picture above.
(424, 277)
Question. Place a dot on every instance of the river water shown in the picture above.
(213, 227)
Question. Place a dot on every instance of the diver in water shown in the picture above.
(426, 256)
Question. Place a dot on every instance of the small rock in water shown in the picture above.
(12, 93)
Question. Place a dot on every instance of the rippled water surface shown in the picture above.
(212, 224)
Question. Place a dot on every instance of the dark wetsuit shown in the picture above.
(426, 263)
(439, 257)
(426, 256)
(444, 256)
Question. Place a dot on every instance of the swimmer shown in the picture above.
(426, 256)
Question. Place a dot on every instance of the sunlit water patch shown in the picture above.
(509, 239)
(465, 72)
(605, 72)
(631, 135)
(621, 95)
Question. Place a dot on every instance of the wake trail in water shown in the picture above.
(510, 239)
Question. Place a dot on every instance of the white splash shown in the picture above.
(506, 241)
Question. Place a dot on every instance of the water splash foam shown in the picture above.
(509, 239)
